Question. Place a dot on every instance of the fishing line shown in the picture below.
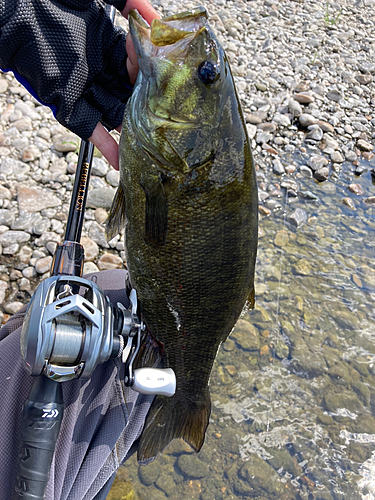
(277, 327)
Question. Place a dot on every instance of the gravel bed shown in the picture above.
(305, 77)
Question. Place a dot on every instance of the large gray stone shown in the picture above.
(35, 199)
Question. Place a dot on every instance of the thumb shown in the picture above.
(106, 145)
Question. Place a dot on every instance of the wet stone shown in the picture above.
(356, 189)
(298, 217)
(166, 483)
(370, 200)
(149, 474)
(306, 171)
(349, 203)
(322, 174)
(192, 467)
(246, 336)
(315, 133)
(315, 162)
(282, 238)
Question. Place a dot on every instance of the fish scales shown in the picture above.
(188, 195)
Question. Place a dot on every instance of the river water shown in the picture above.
(293, 388)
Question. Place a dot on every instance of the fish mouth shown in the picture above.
(164, 32)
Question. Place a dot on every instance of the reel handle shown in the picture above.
(160, 381)
(43, 413)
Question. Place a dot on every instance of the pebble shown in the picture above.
(110, 261)
(10, 237)
(13, 307)
(35, 199)
(298, 217)
(43, 265)
(349, 203)
(99, 167)
(306, 120)
(90, 247)
(364, 146)
(356, 189)
(100, 198)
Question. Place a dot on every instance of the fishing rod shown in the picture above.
(69, 328)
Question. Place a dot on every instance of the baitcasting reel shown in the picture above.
(66, 334)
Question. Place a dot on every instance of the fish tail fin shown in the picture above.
(171, 418)
(116, 219)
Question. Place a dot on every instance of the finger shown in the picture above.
(106, 145)
(132, 61)
(143, 7)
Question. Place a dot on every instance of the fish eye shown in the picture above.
(208, 72)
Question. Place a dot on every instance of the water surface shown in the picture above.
(293, 388)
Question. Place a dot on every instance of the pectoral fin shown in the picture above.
(116, 219)
(156, 217)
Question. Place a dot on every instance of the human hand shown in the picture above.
(71, 58)
(100, 137)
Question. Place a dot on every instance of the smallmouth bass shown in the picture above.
(188, 201)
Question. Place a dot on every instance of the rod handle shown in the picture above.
(40, 426)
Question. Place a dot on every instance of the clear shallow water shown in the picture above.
(293, 389)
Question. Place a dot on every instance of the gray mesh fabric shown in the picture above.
(102, 418)
(70, 57)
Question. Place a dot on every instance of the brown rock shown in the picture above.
(268, 127)
(370, 200)
(264, 210)
(367, 155)
(253, 119)
(90, 247)
(325, 126)
(356, 189)
(349, 203)
(32, 199)
(364, 145)
(110, 261)
(364, 79)
(303, 98)
(43, 265)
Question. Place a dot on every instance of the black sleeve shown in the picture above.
(69, 55)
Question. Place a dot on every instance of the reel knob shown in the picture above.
(161, 381)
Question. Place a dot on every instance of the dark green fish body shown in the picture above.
(188, 190)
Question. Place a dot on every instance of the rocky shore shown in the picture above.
(304, 72)
(293, 386)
